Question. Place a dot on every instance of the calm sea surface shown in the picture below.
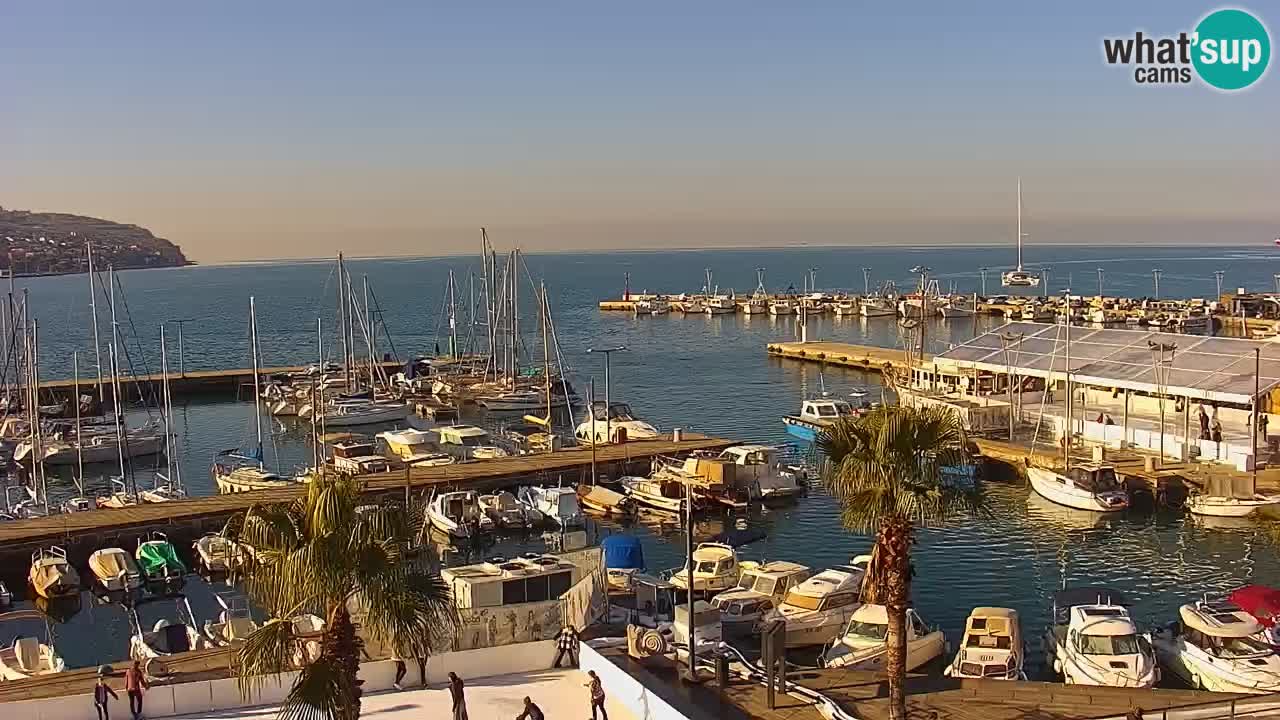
(706, 373)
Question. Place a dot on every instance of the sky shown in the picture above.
(251, 130)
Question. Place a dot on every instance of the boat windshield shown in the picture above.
(747, 581)
(1109, 644)
(998, 642)
(867, 631)
(844, 408)
(1105, 479)
(804, 602)
(1239, 648)
(765, 585)
(472, 441)
(825, 410)
(620, 411)
(705, 566)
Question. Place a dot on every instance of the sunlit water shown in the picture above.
(706, 373)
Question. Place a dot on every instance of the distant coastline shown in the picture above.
(42, 244)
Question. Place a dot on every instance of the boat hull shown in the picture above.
(1046, 484)
(1230, 507)
(372, 417)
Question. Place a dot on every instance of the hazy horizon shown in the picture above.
(245, 132)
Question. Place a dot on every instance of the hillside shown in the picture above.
(40, 243)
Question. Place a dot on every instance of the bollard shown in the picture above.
(677, 435)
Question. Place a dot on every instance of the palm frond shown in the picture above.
(318, 693)
(267, 651)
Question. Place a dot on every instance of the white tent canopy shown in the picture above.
(1206, 368)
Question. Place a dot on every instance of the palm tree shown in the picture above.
(328, 554)
(888, 470)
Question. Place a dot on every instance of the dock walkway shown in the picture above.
(860, 357)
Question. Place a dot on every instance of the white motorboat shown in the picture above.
(51, 576)
(458, 513)
(1216, 647)
(114, 570)
(175, 632)
(468, 442)
(991, 647)
(760, 464)
(408, 443)
(1218, 506)
(218, 554)
(1088, 486)
(95, 447)
(782, 307)
(715, 569)
(864, 646)
(364, 413)
(27, 657)
(1094, 641)
(816, 415)
(607, 423)
(876, 307)
(760, 587)
(558, 505)
(659, 494)
(234, 623)
(507, 512)
(817, 610)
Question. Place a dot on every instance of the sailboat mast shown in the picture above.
(164, 389)
(257, 390)
(367, 327)
(342, 323)
(1019, 224)
(35, 409)
(546, 349)
(317, 381)
(75, 375)
(453, 318)
(1066, 440)
(1253, 427)
(93, 310)
(515, 316)
(116, 399)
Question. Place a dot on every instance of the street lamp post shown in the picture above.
(1162, 355)
(608, 429)
(182, 354)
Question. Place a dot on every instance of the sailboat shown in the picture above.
(233, 470)
(1019, 277)
(168, 485)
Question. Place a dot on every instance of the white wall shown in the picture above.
(623, 688)
(213, 695)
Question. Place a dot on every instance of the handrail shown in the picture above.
(1234, 707)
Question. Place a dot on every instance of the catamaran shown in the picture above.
(1019, 277)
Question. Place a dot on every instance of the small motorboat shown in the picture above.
(816, 415)
(1217, 506)
(864, 643)
(218, 554)
(602, 500)
(351, 414)
(158, 559)
(458, 514)
(468, 442)
(1263, 603)
(665, 495)
(508, 513)
(246, 478)
(234, 624)
(609, 423)
(114, 570)
(51, 575)
(174, 632)
(1088, 486)
(558, 505)
(407, 443)
(715, 569)
(1216, 647)
(759, 464)
(623, 559)
(1094, 641)
(761, 586)
(163, 490)
(817, 610)
(991, 647)
(27, 657)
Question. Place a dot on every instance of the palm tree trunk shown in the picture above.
(893, 545)
(341, 646)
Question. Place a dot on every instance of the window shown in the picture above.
(536, 589)
(918, 625)
(559, 583)
(804, 602)
(826, 411)
(513, 591)
(1109, 644)
(838, 601)
(867, 631)
(765, 585)
(747, 581)
(705, 566)
(990, 642)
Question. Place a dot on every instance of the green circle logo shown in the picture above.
(1232, 49)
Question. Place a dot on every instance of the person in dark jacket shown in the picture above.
(459, 699)
(531, 711)
(101, 694)
(567, 646)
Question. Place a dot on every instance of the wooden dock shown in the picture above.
(83, 532)
(191, 382)
(859, 357)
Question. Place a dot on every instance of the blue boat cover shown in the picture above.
(622, 552)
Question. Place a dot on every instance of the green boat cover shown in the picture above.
(159, 558)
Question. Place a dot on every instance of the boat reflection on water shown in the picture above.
(1210, 522)
(1046, 513)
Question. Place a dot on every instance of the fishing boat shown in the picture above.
(234, 623)
(1019, 277)
(608, 423)
(468, 442)
(28, 657)
(1089, 486)
(957, 306)
(817, 610)
(991, 647)
(758, 303)
(760, 587)
(875, 306)
(1094, 641)
(600, 499)
(665, 495)
(458, 514)
(721, 305)
(1216, 646)
(817, 414)
(114, 570)
(158, 559)
(508, 513)
(864, 644)
(176, 631)
(51, 575)
(558, 505)
(782, 307)
(217, 554)
(715, 569)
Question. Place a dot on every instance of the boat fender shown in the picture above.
(1057, 667)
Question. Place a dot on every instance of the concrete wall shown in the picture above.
(214, 695)
(643, 703)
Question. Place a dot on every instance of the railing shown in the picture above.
(1257, 706)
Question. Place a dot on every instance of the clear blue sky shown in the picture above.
(285, 129)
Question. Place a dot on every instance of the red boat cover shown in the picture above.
(1261, 602)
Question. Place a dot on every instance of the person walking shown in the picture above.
(597, 696)
(1262, 427)
(101, 692)
(459, 699)
(568, 646)
(1204, 422)
(531, 711)
(400, 668)
(135, 683)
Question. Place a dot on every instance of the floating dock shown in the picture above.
(83, 532)
(191, 382)
(859, 357)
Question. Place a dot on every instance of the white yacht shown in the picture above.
(458, 513)
(760, 464)
(607, 423)
(1088, 486)
(558, 504)
(715, 568)
(876, 307)
(863, 645)
(817, 610)
(95, 447)
(761, 586)
(1094, 641)
(27, 656)
(1216, 646)
(991, 647)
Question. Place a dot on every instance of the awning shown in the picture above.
(1263, 603)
